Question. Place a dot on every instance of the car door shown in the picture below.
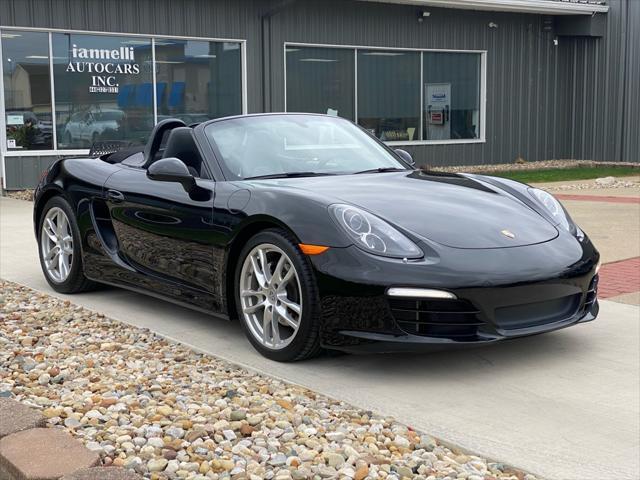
(165, 235)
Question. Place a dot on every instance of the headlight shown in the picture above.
(373, 234)
(553, 207)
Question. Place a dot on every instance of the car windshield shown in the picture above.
(296, 145)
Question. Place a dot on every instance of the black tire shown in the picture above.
(306, 343)
(76, 281)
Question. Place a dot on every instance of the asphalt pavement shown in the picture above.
(563, 405)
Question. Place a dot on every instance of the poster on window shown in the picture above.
(437, 100)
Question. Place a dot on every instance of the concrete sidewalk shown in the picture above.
(562, 405)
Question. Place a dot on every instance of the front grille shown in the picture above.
(436, 318)
(528, 315)
(592, 293)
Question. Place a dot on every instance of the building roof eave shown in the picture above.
(547, 7)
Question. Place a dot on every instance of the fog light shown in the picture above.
(420, 293)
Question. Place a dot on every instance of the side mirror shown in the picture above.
(171, 170)
(406, 156)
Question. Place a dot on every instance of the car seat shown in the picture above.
(182, 145)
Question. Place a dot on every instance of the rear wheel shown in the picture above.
(59, 248)
(277, 298)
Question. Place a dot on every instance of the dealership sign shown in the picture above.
(103, 65)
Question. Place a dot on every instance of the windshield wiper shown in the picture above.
(381, 170)
(290, 175)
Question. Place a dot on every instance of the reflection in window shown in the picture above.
(198, 80)
(103, 89)
(451, 95)
(389, 94)
(320, 80)
(27, 90)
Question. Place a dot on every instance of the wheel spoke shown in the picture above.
(277, 272)
(287, 277)
(253, 308)
(51, 254)
(265, 266)
(275, 327)
(59, 223)
(267, 324)
(61, 265)
(50, 230)
(52, 261)
(257, 273)
(251, 293)
(288, 319)
(293, 306)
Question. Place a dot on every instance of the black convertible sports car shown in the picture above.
(315, 235)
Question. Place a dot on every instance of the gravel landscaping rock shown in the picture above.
(536, 165)
(596, 184)
(21, 194)
(166, 412)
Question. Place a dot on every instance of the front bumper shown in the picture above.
(501, 294)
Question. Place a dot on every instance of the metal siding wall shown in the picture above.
(631, 136)
(606, 82)
(523, 68)
(24, 172)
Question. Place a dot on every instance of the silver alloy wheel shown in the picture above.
(56, 243)
(270, 296)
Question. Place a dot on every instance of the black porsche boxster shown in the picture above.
(314, 234)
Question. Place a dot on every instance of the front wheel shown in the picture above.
(277, 298)
(59, 248)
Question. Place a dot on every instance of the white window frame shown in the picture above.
(483, 86)
(4, 152)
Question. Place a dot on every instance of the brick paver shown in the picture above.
(16, 417)
(597, 198)
(43, 454)
(621, 277)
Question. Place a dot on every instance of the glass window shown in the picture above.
(321, 80)
(198, 80)
(451, 95)
(27, 90)
(389, 94)
(309, 144)
(103, 89)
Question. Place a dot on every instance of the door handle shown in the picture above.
(115, 196)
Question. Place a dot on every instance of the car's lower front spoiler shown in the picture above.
(374, 342)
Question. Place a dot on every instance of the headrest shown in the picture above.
(153, 145)
(180, 142)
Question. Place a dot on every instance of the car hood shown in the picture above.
(452, 210)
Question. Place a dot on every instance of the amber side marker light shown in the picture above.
(312, 249)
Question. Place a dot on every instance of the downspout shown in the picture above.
(265, 25)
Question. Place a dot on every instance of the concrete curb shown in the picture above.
(30, 452)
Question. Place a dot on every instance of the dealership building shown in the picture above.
(451, 81)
